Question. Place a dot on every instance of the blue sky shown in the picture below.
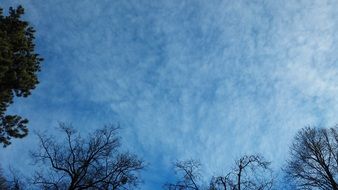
(204, 79)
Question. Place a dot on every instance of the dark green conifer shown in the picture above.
(19, 65)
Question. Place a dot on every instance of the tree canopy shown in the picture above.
(251, 172)
(19, 65)
(313, 163)
(93, 162)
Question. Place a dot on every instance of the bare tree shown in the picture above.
(190, 174)
(314, 159)
(250, 173)
(93, 162)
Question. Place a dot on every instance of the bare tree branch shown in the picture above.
(314, 159)
(251, 172)
(189, 170)
(91, 163)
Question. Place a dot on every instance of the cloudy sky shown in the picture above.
(204, 79)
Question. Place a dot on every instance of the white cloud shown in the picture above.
(207, 80)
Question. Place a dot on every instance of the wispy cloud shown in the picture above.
(186, 79)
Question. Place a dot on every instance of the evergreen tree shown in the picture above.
(19, 65)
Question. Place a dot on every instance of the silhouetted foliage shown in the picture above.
(12, 181)
(314, 159)
(250, 173)
(16, 180)
(3, 180)
(93, 162)
(19, 65)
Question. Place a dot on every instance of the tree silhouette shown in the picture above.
(19, 65)
(94, 162)
(3, 180)
(189, 172)
(314, 159)
(251, 172)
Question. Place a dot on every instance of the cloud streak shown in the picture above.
(186, 79)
